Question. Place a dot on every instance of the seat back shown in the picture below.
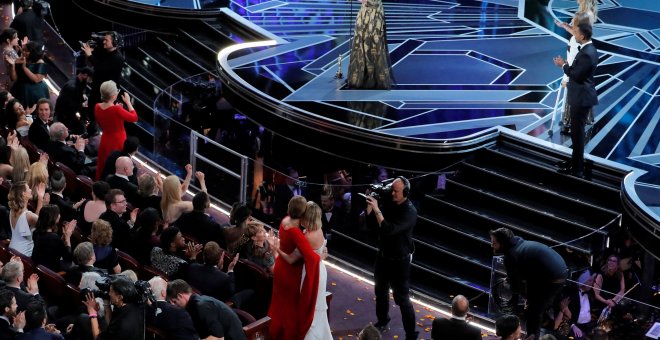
(128, 262)
(84, 184)
(149, 272)
(71, 189)
(5, 255)
(258, 330)
(52, 286)
(251, 275)
(245, 317)
(33, 152)
(73, 296)
(153, 333)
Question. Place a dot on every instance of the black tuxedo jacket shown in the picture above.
(574, 304)
(67, 155)
(211, 281)
(7, 331)
(109, 166)
(174, 321)
(453, 329)
(202, 227)
(67, 212)
(581, 87)
(338, 219)
(130, 190)
(121, 231)
(23, 298)
(38, 134)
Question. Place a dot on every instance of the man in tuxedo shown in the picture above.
(209, 277)
(284, 192)
(579, 305)
(57, 185)
(172, 320)
(121, 230)
(199, 224)
(455, 327)
(121, 178)
(9, 328)
(581, 94)
(12, 274)
(38, 133)
(71, 156)
(332, 216)
(84, 258)
(130, 148)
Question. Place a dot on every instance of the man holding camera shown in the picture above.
(126, 319)
(395, 222)
(108, 63)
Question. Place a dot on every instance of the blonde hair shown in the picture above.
(296, 207)
(108, 89)
(20, 161)
(312, 217)
(15, 198)
(101, 233)
(171, 193)
(37, 174)
(589, 7)
(253, 227)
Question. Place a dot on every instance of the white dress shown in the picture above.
(320, 328)
(21, 235)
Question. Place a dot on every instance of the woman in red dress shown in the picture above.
(111, 118)
(292, 306)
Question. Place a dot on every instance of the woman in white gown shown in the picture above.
(311, 220)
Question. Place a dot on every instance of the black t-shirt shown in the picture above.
(212, 317)
(127, 323)
(107, 66)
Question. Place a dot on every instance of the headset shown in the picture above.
(117, 39)
(406, 185)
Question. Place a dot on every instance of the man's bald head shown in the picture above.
(124, 166)
(460, 306)
(58, 132)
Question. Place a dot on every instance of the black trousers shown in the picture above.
(395, 274)
(578, 120)
(539, 297)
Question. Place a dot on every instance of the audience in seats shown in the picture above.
(174, 255)
(147, 195)
(38, 132)
(35, 324)
(171, 319)
(17, 117)
(456, 327)
(11, 321)
(91, 209)
(83, 258)
(116, 206)
(130, 148)
(68, 209)
(31, 70)
(50, 249)
(173, 190)
(13, 275)
(20, 162)
(147, 234)
(508, 327)
(21, 219)
(573, 308)
(71, 156)
(257, 249)
(105, 254)
(210, 316)
(239, 216)
(199, 224)
(609, 285)
(120, 179)
(9, 40)
(37, 174)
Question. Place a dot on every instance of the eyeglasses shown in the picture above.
(120, 202)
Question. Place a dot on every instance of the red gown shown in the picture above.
(292, 306)
(111, 122)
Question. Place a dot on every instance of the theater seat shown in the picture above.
(52, 286)
(71, 189)
(148, 272)
(258, 329)
(128, 262)
(85, 186)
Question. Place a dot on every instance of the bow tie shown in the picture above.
(579, 48)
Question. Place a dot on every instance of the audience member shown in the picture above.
(18, 117)
(507, 327)
(332, 216)
(455, 327)
(35, 324)
(234, 236)
(130, 274)
(9, 311)
(174, 255)
(209, 278)
(71, 156)
(210, 316)
(171, 204)
(147, 234)
(105, 254)
(29, 22)
(20, 161)
(285, 191)
(31, 70)
(199, 224)
(147, 195)
(51, 250)
(84, 258)
(10, 42)
(21, 219)
(130, 149)
(257, 249)
(172, 320)
(573, 315)
(609, 285)
(541, 267)
(91, 210)
(72, 100)
(12, 274)
(116, 206)
(37, 174)
(120, 179)
(126, 318)
(38, 132)
(68, 210)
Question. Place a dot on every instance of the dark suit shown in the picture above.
(23, 298)
(7, 331)
(67, 212)
(202, 227)
(39, 334)
(337, 219)
(454, 329)
(74, 274)
(69, 156)
(283, 194)
(581, 98)
(211, 281)
(174, 321)
(121, 231)
(109, 165)
(575, 305)
(38, 134)
(130, 190)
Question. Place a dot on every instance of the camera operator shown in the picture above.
(107, 61)
(395, 221)
(126, 317)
